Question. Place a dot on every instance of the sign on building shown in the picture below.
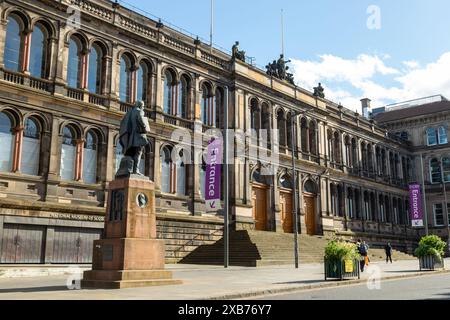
(213, 175)
(415, 204)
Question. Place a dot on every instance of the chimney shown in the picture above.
(365, 103)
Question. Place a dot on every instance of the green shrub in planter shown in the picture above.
(341, 260)
(430, 252)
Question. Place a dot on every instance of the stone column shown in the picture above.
(343, 152)
(3, 26)
(27, 33)
(105, 90)
(61, 61)
(157, 166)
(110, 156)
(52, 62)
(53, 176)
(114, 93)
(79, 159)
(159, 91)
(18, 140)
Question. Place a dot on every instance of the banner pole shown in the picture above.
(226, 230)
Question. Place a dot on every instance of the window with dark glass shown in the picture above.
(74, 63)
(31, 148)
(90, 158)
(6, 142)
(13, 44)
(68, 154)
(38, 52)
(95, 70)
(125, 79)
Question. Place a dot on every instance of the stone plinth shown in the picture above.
(129, 255)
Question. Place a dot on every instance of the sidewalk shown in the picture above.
(205, 282)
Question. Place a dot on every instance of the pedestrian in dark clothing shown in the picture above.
(388, 251)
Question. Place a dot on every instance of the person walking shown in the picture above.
(363, 251)
(388, 251)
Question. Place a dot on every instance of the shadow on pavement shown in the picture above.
(300, 282)
(35, 289)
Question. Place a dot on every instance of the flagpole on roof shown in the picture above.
(211, 31)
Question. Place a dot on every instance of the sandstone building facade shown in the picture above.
(65, 85)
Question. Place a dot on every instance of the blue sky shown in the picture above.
(329, 41)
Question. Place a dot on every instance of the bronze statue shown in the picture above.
(133, 139)
(278, 69)
(236, 53)
(319, 91)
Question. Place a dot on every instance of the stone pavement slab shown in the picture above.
(203, 282)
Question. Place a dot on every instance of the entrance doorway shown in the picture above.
(259, 203)
(310, 215)
(286, 205)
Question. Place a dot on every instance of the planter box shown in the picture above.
(430, 263)
(344, 269)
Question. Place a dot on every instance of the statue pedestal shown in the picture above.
(129, 255)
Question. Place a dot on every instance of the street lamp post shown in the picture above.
(294, 190)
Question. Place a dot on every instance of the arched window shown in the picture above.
(95, 75)
(126, 81)
(290, 131)
(255, 120)
(166, 170)
(31, 147)
(446, 168)
(68, 154)
(6, 142)
(119, 155)
(304, 135)
(218, 108)
(183, 97)
(266, 120)
(312, 138)
(143, 82)
(281, 123)
(435, 171)
(442, 133)
(337, 148)
(181, 175)
(310, 187)
(13, 44)
(38, 52)
(432, 138)
(285, 182)
(206, 106)
(74, 63)
(90, 154)
(382, 208)
(350, 203)
(168, 92)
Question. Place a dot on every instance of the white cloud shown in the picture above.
(364, 77)
(411, 64)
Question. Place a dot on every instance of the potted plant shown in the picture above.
(341, 260)
(431, 252)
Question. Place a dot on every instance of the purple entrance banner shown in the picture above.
(415, 205)
(213, 175)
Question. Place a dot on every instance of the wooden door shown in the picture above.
(259, 202)
(23, 244)
(74, 245)
(310, 215)
(286, 205)
(87, 237)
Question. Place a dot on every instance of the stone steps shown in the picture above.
(255, 248)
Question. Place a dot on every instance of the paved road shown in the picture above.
(421, 288)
